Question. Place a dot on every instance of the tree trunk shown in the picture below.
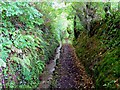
(119, 6)
(75, 30)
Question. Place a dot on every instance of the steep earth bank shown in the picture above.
(100, 53)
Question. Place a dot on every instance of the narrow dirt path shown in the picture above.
(70, 72)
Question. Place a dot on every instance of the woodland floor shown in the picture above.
(70, 73)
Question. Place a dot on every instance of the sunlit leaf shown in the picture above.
(2, 63)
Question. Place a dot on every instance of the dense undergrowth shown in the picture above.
(100, 53)
(26, 44)
(31, 31)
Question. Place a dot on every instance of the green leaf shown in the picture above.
(29, 37)
(4, 55)
(16, 59)
(38, 21)
(2, 63)
(27, 61)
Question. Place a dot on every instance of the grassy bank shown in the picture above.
(100, 53)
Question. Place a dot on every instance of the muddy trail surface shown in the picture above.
(70, 73)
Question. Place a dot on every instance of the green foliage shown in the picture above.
(24, 47)
(30, 33)
(100, 53)
(108, 71)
